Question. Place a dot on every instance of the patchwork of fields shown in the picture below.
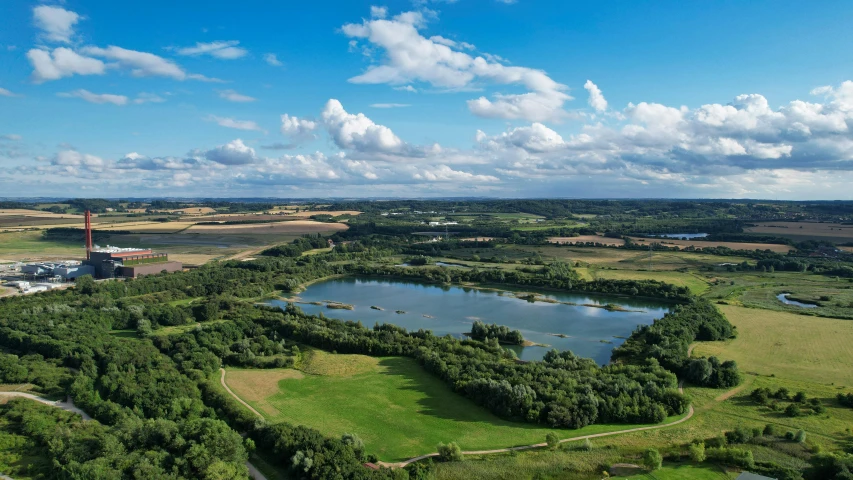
(801, 231)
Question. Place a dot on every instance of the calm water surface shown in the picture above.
(592, 332)
(689, 236)
(783, 297)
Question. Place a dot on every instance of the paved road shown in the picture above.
(70, 407)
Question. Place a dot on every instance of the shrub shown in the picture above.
(800, 397)
(736, 457)
(652, 459)
(800, 436)
(697, 452)
(449, 452)
(770, 430)
(552, 440)
(586, 445)
(739, 435)
(793, 410)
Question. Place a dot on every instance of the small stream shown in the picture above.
(783, 297)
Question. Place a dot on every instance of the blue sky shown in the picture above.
(427, 98)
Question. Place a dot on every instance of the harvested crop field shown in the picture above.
(235, 217)
(288, 227)
(193, 211)
(141, 227)
(588, 238)
(773, 247)
(801, 231)
(333, 213)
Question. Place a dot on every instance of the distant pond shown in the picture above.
(783, 297)
(435, 264)
(588, 331)
(689, 236)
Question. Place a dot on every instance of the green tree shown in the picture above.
(697, 452)
(449, 452)
(552, 440)
(652, 459)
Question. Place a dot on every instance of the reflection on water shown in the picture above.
(587, 331)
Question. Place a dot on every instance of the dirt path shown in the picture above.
(731, 393)
(248, 253)
(222, 381)
(690, 412)
(70, 407)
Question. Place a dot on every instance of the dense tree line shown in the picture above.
(668, 340)
(297, 246)
(154, 415)
(481, 331)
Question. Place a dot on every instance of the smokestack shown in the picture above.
(88, 235)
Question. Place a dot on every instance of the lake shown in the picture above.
(688, 236)
(436, 264)
(591, 332)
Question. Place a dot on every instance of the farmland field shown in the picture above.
(800, 231)
(628, 259)
(293, 227)
(803, 348)
(395, 406)
(588, 238)
(773, 247)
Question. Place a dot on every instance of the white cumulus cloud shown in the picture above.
(356, 131)
(596, 98)
(62, 62)
(297, 129)
(438, 61)
(232, 153)
(56, 23)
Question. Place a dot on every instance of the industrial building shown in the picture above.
(108, 262)
(111, 262)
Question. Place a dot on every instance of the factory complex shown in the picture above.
(101, 263)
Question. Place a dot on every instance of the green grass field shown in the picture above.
(22, 245)
(396, 407)
(790, 346)
(695, 283)
(684, 472)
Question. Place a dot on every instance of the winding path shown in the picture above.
(404, 463)
(70, 407)
(690, 412)
(227, 389)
